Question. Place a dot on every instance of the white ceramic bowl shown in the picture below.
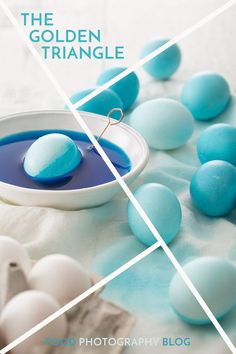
(122, 135)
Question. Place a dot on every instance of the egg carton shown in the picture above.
(93, 318)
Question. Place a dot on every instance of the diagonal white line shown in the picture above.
(134, 201)
(80, 298)
(156, 52)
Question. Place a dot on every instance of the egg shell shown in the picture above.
(127, 88)
(51, 158)
(215, 279)
(213, 188)
(26, 310)
(11, 251)
(101, 104)
(217, 142)
(165, 64)
(164, 123)
(60, 276)
(162, 207)
(206, 95)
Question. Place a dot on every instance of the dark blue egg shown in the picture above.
(218, 142)
(213, 188)
(206, 95)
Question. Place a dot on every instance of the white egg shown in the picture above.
(12, 251)
(26, 310)
(60, 276)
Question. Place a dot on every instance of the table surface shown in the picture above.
(24, 86)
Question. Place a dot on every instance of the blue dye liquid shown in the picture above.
(92, 171)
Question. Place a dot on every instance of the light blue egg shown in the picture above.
(218, 142)
(206, 95)
(101, 104)
(162, 207)
(164, 123)
(163, 66)
(215, 280)
(127, 88)
(213, 188)
(51, 157)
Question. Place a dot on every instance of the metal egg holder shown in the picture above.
(92, 318)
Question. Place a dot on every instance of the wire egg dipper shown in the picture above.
(109, 123)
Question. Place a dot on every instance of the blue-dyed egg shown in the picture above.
(51, 157)
(164, 123)
(215, 279)
(163, 66)
(218, 142)
(206, 95)
(127, 88)
(101, 104)
(213, 188)
(162, 207)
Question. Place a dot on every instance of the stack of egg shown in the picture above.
(168, 125)
(213, 186)
(53, 281)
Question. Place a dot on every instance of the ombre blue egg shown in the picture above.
(127, 88)
(164, 123)
(217, 142)
(213, 188)
(206, 95)
(101, 104)
(165, 64)
(51, 158)
(215, 279)
(162, 207)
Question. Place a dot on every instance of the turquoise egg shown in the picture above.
(101, 104)
(127, 88)
(162, 207)
(51, 158)
(164, 123)
(215, 280)
(213, 188)
(163, 66)
(206, 95)
(218, 142)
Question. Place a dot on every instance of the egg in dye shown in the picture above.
(51, 158)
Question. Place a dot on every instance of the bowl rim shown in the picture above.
(140, 165)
